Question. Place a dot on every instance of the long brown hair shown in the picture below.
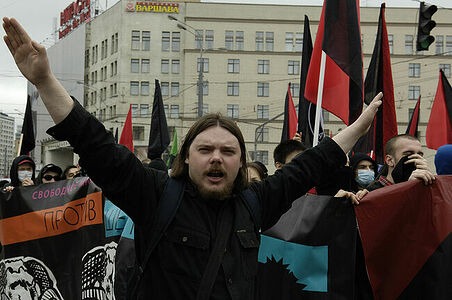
(180, 168)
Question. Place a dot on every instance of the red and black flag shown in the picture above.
(339, 36)
(306, 109)
(127, 132)
(290, 118)
(28, 133)
(409, 253)
(379, 79)
(158, 137)
(439, 128)
(414, 120)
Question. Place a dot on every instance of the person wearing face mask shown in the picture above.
(22, 172)
(403, 161)
(364, 169)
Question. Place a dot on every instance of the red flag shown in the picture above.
(127, 133)
(379, 79)
(414, 120)
(290, 118)
(439, 128)
(339, 36)
(406, 232)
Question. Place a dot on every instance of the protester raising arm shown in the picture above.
(31, 59)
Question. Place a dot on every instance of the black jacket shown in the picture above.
(179, 260)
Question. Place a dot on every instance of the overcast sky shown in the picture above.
(38, 18)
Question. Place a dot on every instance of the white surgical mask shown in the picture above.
(365, 177)
(24, 174)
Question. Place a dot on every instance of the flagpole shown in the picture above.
(20, 144)
(318, 109)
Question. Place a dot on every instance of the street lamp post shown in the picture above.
(201, 66)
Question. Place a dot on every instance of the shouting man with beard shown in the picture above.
(212, 167)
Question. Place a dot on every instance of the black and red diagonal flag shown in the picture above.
(290, 118)
(414, 120)
(439, 128)
(409, 254)
(379, 79)
(28, 133)
(158, 136)
(306, 109)
(339, 36)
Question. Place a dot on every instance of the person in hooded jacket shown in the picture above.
(22, 172)
(364, 169)
(49, 173)
(443, 160)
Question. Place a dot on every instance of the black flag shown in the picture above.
(158, 137)
(28, 133)
(306, 109)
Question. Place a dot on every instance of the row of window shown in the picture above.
(141, 40)
(114, 42)
(414, 69)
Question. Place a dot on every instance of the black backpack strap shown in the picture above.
(166, 211)
(253, 205)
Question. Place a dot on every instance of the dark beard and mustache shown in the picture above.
(217, 194)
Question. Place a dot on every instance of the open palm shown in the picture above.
(30, 57)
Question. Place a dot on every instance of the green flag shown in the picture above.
(173, 152)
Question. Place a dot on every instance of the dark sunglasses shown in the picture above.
(49, 177)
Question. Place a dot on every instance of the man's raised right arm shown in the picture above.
(31, 59)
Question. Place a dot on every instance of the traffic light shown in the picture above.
(426, 24)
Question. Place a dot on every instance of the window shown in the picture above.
(165, 66)
(289, 41)
(209, 39)
(293, 67)
(165, 108)
(261, 156)
(145, 88)
(115, 68)
(233, 88)
(263, 66)
(134, 88)
(262, 89)
(448, 45)
(135, 40)
(138, 133)
(175, 43)
(295, 90)
(102, 50)
(233, 65)
(446, 69)
(144, 110)
(134, 110)
(164, 86)
(146, 40)
(175, 66)
(174, 111)
(145, 66)
(439, 45)
(165, 40)
(229, 39)
(259, 41)
(134, 65)
(269, 41)
(205, 88)
(391, 43)
(205, 65)
(205, 108)
(414, 70)
(414, 92)
(233, 111)
(116, 42)
(239, 38)
(261, 134)
(262, 111)
(112, 50)
(86, 58)
(298, 41)
(408, 44)
(199, 38)
(174, 89)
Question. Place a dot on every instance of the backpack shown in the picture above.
(166, 211)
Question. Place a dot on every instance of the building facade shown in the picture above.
(250, 52)
(6, 144)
